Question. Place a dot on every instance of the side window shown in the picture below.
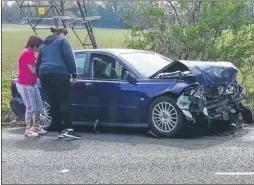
(80, 62)
(105, 67)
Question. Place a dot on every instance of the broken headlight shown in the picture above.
(183, 102)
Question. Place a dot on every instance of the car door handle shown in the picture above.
(89, 85)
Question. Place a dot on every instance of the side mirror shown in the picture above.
(130, 78)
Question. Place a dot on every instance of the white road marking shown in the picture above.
(234, 173)
(64, 171)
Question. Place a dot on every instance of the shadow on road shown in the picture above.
(217, 130)
(193, 139)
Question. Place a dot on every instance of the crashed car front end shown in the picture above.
(215, 96)
(213, 103)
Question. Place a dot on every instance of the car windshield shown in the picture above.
(146, 63)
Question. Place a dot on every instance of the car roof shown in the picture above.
(114, 51)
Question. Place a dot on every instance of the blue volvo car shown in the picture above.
(129, 87)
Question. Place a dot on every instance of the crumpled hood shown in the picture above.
(207, 73)
(212, 73)
(50, 39)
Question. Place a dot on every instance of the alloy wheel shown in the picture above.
(164, 117)
(45, 118)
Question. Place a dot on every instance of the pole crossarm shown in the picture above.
(59, 18)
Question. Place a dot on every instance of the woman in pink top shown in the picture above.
(28, 88)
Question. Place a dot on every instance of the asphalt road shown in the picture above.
(128, 156)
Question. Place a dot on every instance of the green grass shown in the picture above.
(14, 38)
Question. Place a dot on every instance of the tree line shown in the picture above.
(195, 30)
(112, 13)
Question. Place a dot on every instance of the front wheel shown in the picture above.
(165, 118)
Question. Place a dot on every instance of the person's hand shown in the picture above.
(74, 80)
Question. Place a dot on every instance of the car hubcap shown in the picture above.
(164, 117)
(45, 119)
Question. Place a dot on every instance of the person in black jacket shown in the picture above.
(55, 65)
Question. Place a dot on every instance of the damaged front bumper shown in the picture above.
(221, 102)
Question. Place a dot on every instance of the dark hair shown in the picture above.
(58, 31)
(34, 41)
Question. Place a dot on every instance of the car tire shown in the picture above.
(170, 122)
(45, 117)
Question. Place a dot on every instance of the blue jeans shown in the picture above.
(32, 100)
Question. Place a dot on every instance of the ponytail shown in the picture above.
(58, 31)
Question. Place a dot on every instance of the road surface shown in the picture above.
(128, 157)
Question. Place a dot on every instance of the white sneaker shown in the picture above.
(39, 130)
(30, 133)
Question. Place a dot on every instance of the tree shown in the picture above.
(195, 31)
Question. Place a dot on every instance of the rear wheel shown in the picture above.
(45, 118)
(165, 118)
